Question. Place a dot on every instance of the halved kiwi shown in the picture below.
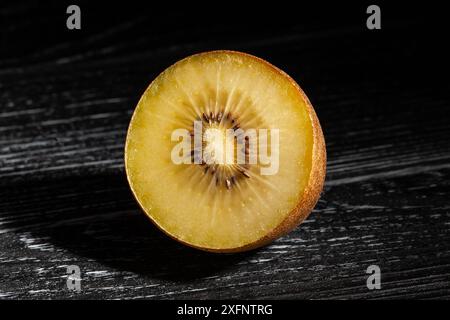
(232, 206)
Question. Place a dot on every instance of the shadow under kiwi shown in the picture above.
(96, 217)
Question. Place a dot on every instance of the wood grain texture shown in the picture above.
(64, 109)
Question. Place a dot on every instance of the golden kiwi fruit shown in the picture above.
(184, 145)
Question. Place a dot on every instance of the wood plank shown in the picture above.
(64, 199)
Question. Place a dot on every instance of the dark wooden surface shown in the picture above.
(65, 102)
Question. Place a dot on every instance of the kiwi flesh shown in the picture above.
(212, 205)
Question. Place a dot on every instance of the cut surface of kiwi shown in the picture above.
(203, 201)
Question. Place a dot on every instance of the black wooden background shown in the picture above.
(66, 98)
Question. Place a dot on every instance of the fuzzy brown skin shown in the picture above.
(311, 193)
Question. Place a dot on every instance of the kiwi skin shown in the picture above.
(311, 193)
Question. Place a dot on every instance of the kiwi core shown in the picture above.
(221, 148)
